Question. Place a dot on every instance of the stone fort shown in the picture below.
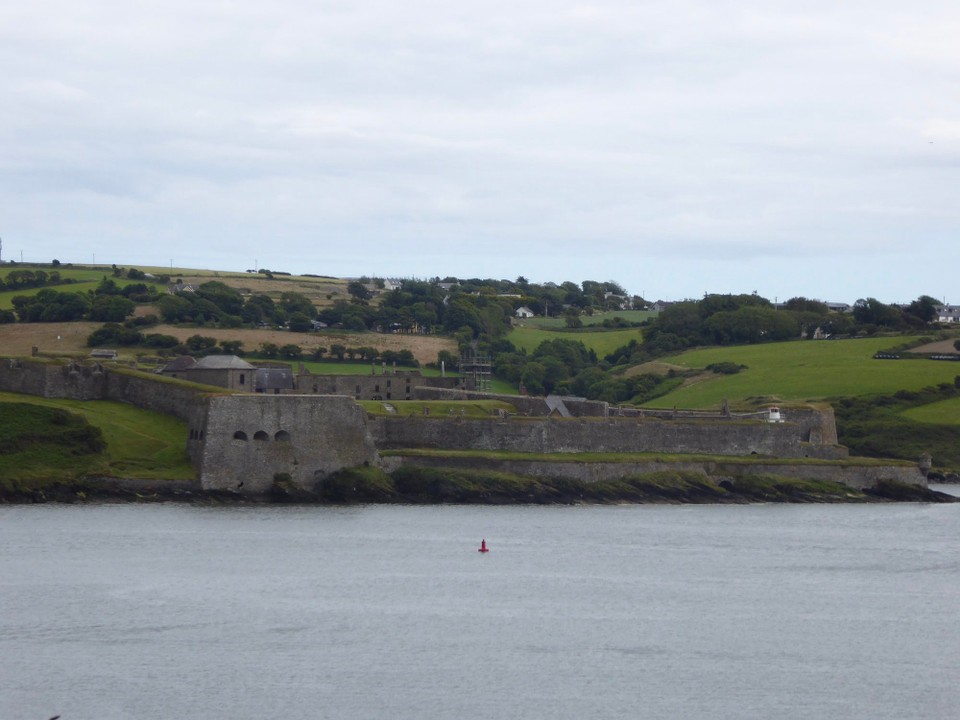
(241, 442)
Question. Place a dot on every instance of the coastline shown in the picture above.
(439, 486)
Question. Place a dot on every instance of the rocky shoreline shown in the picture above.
(436, 486)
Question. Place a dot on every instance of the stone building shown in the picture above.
(227, 371)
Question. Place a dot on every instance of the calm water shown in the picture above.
(768, 611)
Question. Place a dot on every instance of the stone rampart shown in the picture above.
(568, 435)
(92, 381)
(64, 379)
(246, 442)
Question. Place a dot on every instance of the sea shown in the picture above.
(173, 611)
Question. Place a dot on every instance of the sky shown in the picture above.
(677, 148)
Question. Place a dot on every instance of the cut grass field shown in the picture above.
(601, 341)
(803, 370)
(140, 443)
(945, 412)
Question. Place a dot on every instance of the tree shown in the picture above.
(292, 302)
(299, 322)
(338, 350)
(358, 291)
(923, 308)
(200, 344)
(291, 352)
(873, 312)
(231, 347)
(269, 349)
(111, 308)
(572, 319)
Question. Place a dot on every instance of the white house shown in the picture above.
(948, 313)
(524, 312)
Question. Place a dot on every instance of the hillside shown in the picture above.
(802, 370)
(47, 439)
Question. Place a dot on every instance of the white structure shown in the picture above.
(948, 314)
(773, 415)
(524, 312)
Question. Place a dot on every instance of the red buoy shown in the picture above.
(483, 546)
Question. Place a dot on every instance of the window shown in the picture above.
(282, 436)
(260, 435)
(240, 435)
(242, 378)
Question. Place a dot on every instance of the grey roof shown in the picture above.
(556, 404)
(222, 362)
(184, 362)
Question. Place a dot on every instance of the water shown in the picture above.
(766, 611)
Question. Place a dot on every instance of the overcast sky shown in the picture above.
(676, 147)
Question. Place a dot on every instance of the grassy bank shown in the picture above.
(138, 443)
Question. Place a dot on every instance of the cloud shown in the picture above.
(537, 138)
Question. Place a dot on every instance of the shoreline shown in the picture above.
(454, 487)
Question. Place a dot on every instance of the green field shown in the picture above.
(85, 279)
(602, 342)
(803, 370)
(945, 412)
(140, 443)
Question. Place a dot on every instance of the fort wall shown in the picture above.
(570, 435)
(246, 442)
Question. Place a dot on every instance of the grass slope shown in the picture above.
(803, 370)
(602, 342)
(140, 444)
(945, 412)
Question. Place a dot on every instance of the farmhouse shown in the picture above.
(524, 312)
(948, 313)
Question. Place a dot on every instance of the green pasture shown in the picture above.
(553, 323)
(803, 370)
(85, 280)
(601, 341)
(945, 412)
(140, 443)
(7, 296)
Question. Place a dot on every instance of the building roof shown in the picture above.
(184, 362)
(222, 362)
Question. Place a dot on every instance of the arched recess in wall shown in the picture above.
(282, 436)
(260, 435)
(239, 435)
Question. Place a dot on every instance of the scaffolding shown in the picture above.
(478, 369)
